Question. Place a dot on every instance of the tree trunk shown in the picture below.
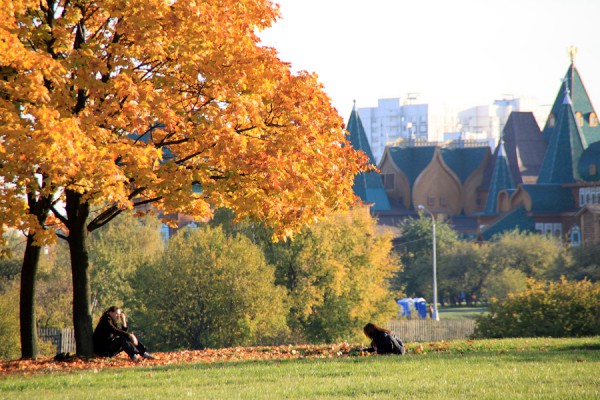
(29, 339)
(39, 207)
(77, 213)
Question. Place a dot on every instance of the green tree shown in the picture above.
(338, 275)
(117, 250)
(209, 290)
(499, 284)
(462, 270)
(584, 264)
(9, 320)
(534, 254)
(54, 288)
(415, 250)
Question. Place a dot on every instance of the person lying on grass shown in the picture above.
(383, 341)
(111, 337)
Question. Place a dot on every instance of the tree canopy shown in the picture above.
(131, 101)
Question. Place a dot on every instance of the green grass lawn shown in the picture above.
(485, 369)
(461, 312)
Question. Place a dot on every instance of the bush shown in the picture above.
(209, 290)
(550, 309)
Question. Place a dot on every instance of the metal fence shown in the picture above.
(63, 339)
(424, 330)
(427, 330)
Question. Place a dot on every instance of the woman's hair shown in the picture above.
(371, 330)
(111, 309)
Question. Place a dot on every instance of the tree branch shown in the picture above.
(147, 201)
(58, 215)
(110, 213)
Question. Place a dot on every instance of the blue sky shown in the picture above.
(461, 52)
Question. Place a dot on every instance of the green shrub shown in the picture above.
(10, 346)
(551, 309)
(209, 290)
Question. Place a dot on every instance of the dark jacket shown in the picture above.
(106, 332)
(386, 343)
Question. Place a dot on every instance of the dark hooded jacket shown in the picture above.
(106, 332)
(386, 343)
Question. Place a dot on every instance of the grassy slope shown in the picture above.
(499, 369)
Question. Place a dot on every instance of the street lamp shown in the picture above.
(433, 256)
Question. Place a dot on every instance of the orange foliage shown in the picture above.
(48, 365)
(206, 102)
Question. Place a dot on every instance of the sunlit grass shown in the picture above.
(461, 312)
(483, 369)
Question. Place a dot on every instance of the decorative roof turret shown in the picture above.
(501, 180)
(571, 127)
(367, 185)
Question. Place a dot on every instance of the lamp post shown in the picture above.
(436, 316)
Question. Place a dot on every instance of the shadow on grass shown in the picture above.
(585, 346)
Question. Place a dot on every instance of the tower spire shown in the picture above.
(572, 51)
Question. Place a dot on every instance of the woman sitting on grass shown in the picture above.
(383, 341)
(111, 337)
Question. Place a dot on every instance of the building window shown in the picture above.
(593, 119)
(583, 196)
(539, 228)
(551, 121)
(388, 181)
(443, 201)
(192, 226)
(431, 201)
(575, 236)
(579, 118)
(593, 170)
(164, 233)
(557, 228)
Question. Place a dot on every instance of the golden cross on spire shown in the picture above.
(572, 50)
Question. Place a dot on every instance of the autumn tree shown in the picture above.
(109, 105)
(342, 277)
(337, 272)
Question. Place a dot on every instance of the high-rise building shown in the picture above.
(397, 118)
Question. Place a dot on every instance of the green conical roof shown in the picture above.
(580, 101)
(501, 180)
(367, 185)
(571, 127)
(565, 145)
